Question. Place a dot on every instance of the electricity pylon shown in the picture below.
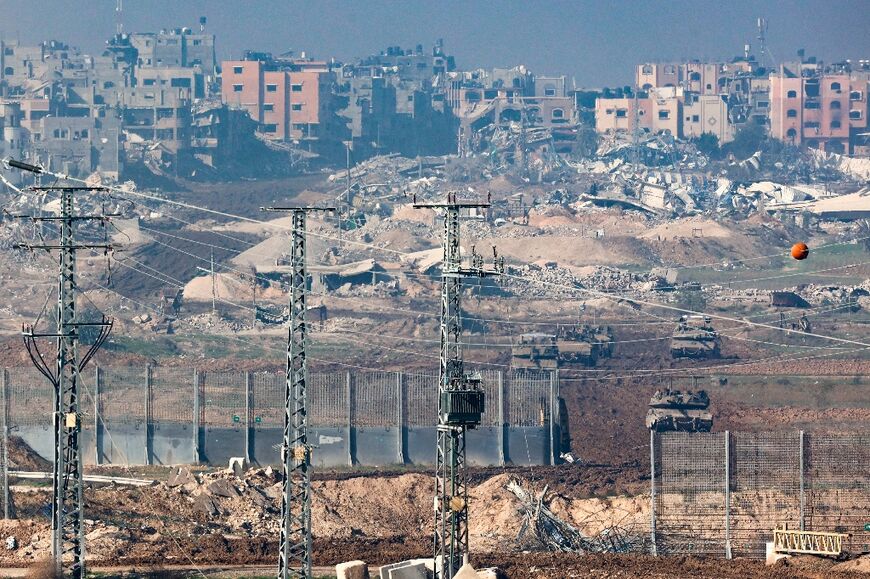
(294, 560)
(460, 396)
(67, 529)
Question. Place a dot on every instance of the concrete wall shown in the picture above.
(172, 416)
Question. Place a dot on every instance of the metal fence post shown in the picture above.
(349, 395)
(98, 435)
(249, 410)
(502, 421)
(4, 384)
(149, 450)
(652, 492)
(196, 417)
(554, 413)
(727, 494)
(400, 417)
(802, 487)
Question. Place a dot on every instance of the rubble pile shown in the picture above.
(538, 281)
(210, 322)
(610, 278)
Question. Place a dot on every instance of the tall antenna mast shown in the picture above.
(294, 559)
(67, 523)
(460, 396)
(119, 17)
(762, 39)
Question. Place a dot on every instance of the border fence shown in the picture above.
(166, 415)
(723, 493)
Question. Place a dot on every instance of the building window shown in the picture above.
(664, 115)
(696, 76)
(197, 42)
(238, 87)
(856, 95)
(472, 96)
(855, 115)
(792, 114)
(271, 128)
(271, 88)
(763, 104)
(550, 91)
(621, 113)
(811, 125)
(792, 94)
(558, 114)
(791, 133)
(238, 69)
(670, 69)
(269, 107)
(696, 118)
(836, 105)
(836, 124)
(148, 82)
(646, 69)
(8, 70)
(709, 86)
(296, 107)
(296, 88)
(835, 86)
(812, 105)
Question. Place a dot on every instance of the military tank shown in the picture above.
(695, 337)
(601, 338)
(535, 351)
(576, 347)
(672, 410)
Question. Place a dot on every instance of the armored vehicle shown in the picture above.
(601, 338)
(695, 337)
(536, 351)
(576, 346)
(672, 410)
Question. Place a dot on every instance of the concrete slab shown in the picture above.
(412, 569)
(352, 570)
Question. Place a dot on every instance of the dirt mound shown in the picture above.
(22, 457)
(229, 287)
(859, 565)
(407, 212)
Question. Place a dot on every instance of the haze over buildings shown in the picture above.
(596, 43)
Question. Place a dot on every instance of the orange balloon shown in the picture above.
(800, 250)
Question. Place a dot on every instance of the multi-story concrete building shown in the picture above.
(78, 146)
(290, 100)
(818, 108)
(177, 47)
(706, 114)
(654, 111)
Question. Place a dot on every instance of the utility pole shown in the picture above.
(294, 560)
(635, 133)
(211, 272)
(67, 505)
(460, 396)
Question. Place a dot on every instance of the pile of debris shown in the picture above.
(606, 278)
(554, 534)
(547, 280)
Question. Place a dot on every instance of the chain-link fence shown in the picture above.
(724, 493)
